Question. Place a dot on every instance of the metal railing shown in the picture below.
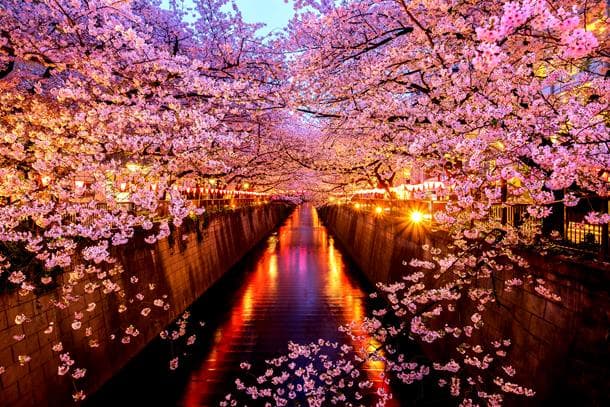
(515, 215)
(398, 207)
(575, 231)
(210, 204)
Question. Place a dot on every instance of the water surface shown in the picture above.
(297, 286)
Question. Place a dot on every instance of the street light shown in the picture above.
(416, 216)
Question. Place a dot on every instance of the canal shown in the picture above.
(297, 286)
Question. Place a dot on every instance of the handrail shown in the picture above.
(576, 231)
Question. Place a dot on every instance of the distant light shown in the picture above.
(416, 217)
(357, 206)
(212, 181)
(378, 210)
(246, 185)
(79, 184)
(133, 167)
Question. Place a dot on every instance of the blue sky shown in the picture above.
(274, 13)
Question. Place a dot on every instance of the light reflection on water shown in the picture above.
(300, 289)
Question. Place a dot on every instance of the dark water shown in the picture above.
(297, 286)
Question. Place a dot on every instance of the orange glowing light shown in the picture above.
(416, 217)
(378, 210)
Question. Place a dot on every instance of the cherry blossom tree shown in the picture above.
(110, 112)
(112, 102)
(506, 102)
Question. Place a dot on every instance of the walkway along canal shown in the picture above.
(297, 287)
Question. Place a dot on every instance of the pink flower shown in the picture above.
(79, 395)
(66, 359)
(62, 370)
(455, 386)
(79, 373)
(16, 277)
(509, 370)
(173, 364)
(579, 43)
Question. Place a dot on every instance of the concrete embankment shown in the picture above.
(181, 267)
(559, 348)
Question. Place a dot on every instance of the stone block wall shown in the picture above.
(561, 349)
(181, 267)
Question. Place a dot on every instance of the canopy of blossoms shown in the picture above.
(504, 102)
(111, 109)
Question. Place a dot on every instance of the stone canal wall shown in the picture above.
(561, 349)
(182, 267)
